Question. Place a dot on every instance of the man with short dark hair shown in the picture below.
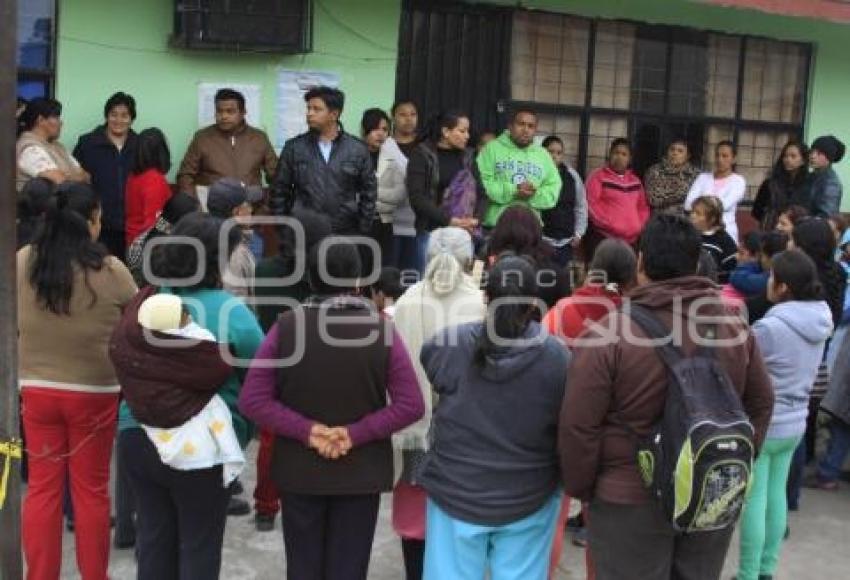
(515, 170)
(326, 169)
(618, 389)
(229, 148)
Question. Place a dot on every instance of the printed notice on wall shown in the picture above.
(291, 110)
(206, 101)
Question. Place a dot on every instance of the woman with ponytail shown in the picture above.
(441, 166)
(492, 473)
(70, 297)
(791, 338)
(447, 294)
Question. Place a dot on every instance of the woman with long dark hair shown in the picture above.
(520, 232)
(70, 297)
(441, 160)
(791, 338)
(492, 473)
(147, 188)
(788, 184)
(181, 514)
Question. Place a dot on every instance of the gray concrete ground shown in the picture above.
(817, 548)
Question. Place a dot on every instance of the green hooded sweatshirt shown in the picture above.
(503, 166)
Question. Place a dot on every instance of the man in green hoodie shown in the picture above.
(515, 170)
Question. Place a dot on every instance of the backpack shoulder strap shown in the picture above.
(656, 330)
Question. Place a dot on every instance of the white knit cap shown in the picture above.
(161, 312)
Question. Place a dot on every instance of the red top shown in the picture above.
(146, 194)
(617, 204)
(571, 316)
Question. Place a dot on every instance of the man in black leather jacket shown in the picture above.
(326, 169)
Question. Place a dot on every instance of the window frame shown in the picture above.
(45, 74)
(634, 117)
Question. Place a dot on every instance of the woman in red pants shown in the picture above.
(611, 273)
(70, 296)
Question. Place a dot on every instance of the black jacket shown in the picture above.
(344, 188)
(109, 169)
(423, 186)
(559, 222)
(777, 193)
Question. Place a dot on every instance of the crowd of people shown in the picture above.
(463, 367)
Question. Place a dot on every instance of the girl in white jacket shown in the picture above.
(723, 183)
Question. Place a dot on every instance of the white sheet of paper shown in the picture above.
(290, 107)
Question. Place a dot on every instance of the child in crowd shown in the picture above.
(707, 217)
(749, 278)
(616, 200)
(565, 224)
(147, 189)
(493, 493)
(826, 185)
(790, 218)
(722, 183)
(772, 243)
(791, 338)
(386, 290)
(188, 423)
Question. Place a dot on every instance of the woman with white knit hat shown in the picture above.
(447, 295)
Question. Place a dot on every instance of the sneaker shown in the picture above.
(264, 522)
(580, 538)
(817, 482)
(238, 507)
(575, 523)
(236, 487)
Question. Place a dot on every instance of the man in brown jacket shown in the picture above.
(230, 148)
(617, 393)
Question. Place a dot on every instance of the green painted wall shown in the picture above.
(109, 45)
(106, 45)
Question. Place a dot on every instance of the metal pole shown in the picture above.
(11, 566)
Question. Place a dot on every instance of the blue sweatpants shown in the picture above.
(516, 551)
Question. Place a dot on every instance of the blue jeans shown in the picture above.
(405, 253)
(422, 250)
(516, 551)
(829, 468)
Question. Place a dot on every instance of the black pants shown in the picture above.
(328, 537)
(125, 502)
(181, 514)
(635, 542)
(414, 558)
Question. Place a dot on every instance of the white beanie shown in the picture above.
(161, 312)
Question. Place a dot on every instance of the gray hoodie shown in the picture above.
(791, 337)
(493, 457)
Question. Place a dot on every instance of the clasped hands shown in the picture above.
(329, 442)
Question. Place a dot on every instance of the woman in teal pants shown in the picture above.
(791, 338)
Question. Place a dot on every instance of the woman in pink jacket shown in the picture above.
(616, 200)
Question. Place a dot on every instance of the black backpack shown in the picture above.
(698, 459)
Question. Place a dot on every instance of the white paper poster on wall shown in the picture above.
(292, 85)
(206, 101)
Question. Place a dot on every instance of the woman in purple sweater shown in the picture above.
(320, 382)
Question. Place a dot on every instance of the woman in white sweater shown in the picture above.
(723, 183)
(447, 295)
